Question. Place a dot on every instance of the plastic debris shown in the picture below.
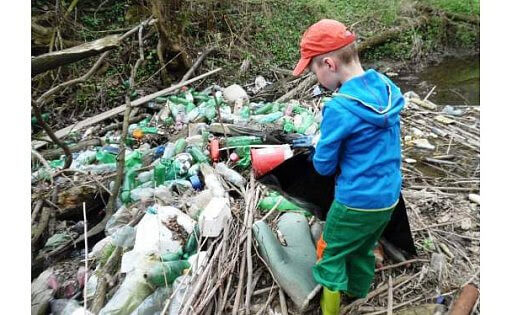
(214, 217)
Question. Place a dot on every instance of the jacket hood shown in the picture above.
(376, 99)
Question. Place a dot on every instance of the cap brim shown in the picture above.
(301, 66)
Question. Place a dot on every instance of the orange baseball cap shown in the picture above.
(324, 36)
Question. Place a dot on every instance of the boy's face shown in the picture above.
(326, 72)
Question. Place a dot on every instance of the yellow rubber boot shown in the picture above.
(330, 302)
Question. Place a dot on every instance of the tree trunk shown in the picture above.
(170, 30)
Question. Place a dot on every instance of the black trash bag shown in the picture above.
(298, 181)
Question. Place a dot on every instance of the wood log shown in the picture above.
(59, 58)
(56, 153)
(390, 34)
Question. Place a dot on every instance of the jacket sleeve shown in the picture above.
(334, 129)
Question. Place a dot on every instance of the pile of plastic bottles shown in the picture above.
(152, 259)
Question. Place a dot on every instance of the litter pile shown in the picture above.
(192, 231)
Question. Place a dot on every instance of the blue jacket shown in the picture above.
(360, 134)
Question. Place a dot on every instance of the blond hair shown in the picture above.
(346, 54)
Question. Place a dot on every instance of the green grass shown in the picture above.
(468, 7)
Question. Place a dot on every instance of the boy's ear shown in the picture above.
(331, 63)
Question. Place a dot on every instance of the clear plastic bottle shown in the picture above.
(230, 175)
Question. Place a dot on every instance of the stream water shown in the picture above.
(457, 81)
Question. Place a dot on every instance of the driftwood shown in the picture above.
(117, 110)
(308, 82)
(55, 153)
(59, 58)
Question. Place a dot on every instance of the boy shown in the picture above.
(360, 134)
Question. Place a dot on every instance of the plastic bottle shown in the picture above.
(245, 112)
(105, 157)
(182, 163)
(161, 99)
(144, 177)
(159, 173)
(197, 154)
(131, 293)
(288, 125)
(265, 109)
(166, 271)
(133, 160)
(86, 157)
(154, 303)
(179, 146)
(99, 169)
(178, 111)
(230, 175)
(45, 117)
(194, 170)
(181, 185)
(142, 193)
(128, 185)
(168, 151)
(195, 115)
(171, 256)
(306, 122)
(181, 287)
(196, 182)
(211, 180)
(240, 141)
(269, 118)
(267, 203)
(190, 247)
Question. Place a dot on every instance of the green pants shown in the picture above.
(345, 251)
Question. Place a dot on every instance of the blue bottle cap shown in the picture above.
(159, 151)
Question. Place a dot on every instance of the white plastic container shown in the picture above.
(214, 217)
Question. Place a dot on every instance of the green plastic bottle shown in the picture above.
(171, 256)
(178, 100)
(45, 117)
(197, 154)
(245, 112)
(241, 141)
(159, 173)
(265, 109)
(169, 271)
(270, 118)
(145, 122)
(105, 157)
(208, 110)
(57, 163)
(307, 121)
(134, 160)
(288, 125)
(267, 203)
(179, 146)
(190, 246)
(128, 185)
(161, 99)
